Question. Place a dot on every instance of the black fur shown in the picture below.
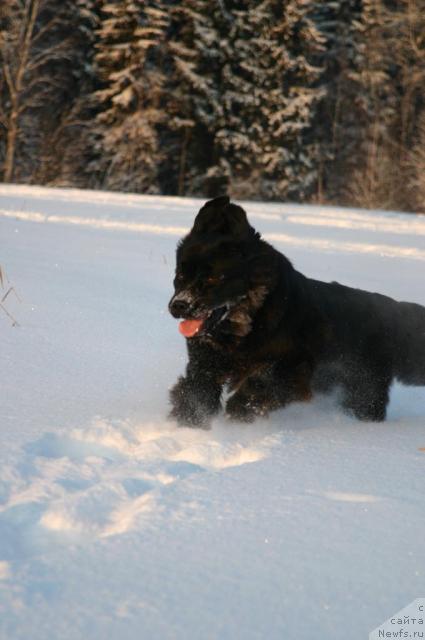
(275, 336)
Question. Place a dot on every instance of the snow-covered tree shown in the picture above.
(71, 139)
(371, 183)
(246, 94)
(128, 102)
(290, 97)
(340, 119)
(287, 99)
(193, 61)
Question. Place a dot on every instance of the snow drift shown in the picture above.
(113, 522)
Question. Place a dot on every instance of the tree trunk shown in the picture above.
(9, 162)
(183, 155)
(15, 80)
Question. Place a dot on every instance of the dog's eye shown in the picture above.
(214, 279)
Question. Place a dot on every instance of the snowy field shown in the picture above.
(117, 525)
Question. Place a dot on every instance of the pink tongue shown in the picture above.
(190, 328)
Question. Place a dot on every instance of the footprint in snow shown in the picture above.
(114, 476)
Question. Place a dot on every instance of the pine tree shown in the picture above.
(128, 104)
(341, 118)
(373, 180)
(416, 166)
(191, 97)
(374, 94)
(290, 96)
(71, 139)
(293, 99)
(245, 91)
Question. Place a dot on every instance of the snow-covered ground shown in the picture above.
(116, 524)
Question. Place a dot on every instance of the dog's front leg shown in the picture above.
(273, 389)
(195, 398)
(255, 398)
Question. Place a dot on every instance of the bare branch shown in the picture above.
(15, 323)
(57, 19)
(46, 56)
(33, 10)
(9, 82)
(11, 290)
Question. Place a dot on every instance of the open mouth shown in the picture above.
(203, 325)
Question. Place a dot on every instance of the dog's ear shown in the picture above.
(222, 216)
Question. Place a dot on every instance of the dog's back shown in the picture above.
(371, 324)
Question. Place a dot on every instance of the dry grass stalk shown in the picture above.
(3, 280)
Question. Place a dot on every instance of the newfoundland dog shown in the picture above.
(269, 335)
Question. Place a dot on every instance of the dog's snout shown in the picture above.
(178, 307)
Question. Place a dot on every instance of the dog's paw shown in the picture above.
(243, 409)
(187, 410)
(187, 417)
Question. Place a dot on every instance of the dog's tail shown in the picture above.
(409, 338)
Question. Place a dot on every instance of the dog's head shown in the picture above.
(224, 273)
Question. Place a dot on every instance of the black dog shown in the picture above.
(254, 323)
